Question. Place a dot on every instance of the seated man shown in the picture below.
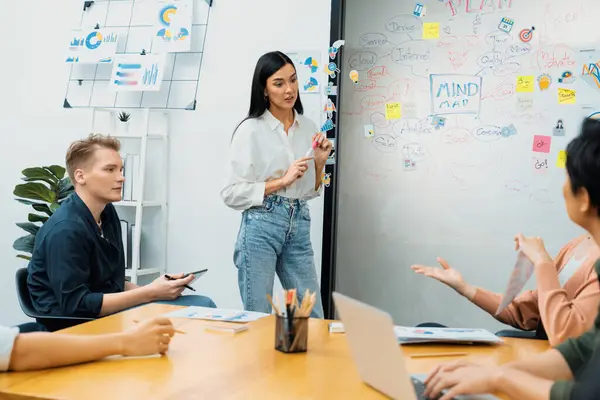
(77, 267)
(564, 304)
(34, 351)
(557, 373)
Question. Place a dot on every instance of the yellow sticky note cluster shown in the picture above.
(431, 30)
(525, 84)
(393, 111)
(562, 159)
(566, 96)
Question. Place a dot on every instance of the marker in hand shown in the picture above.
(311, 151)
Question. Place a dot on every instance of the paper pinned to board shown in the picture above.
(519, 277)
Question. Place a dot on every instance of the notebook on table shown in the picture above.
(409, 335)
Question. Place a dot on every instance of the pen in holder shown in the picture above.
(291, 334)
(291, 327)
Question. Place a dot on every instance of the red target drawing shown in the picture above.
(526, 34)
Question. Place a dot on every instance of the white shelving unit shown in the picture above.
(139, 136)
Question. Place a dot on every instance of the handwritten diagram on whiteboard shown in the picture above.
(454, 139)
(175, 28)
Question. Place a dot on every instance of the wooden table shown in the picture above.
(203, 364)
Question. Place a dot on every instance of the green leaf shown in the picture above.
(43, 208)
(24, 243)
(23, 256)
(29, 227)
(54, 206)
(37, 173)
(26, 202)
(57, 171)
(35, 191)
(65, 188)
(37, 218)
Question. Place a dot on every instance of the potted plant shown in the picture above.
(123, 126)
(45, 189)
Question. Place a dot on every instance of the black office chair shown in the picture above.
(539, 333)
(51, 322)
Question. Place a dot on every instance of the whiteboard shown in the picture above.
(472, 159)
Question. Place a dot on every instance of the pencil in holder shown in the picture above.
(291, 334)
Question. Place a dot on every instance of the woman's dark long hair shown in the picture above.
(266, 66)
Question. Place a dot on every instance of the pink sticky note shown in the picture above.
(541, 143)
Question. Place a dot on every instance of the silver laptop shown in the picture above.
(377, 354)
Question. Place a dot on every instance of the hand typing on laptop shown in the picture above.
(461, 377)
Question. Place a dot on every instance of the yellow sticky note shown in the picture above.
(393, 111)
(525, 83)
(562, 159)
(431, 30)
(566, 96)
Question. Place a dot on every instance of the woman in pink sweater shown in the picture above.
(564, 304)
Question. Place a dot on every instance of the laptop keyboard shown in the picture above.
(420, 388)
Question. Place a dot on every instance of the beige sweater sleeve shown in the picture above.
(564, 313)
(569, 311)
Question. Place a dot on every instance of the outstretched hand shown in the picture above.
(446, 274)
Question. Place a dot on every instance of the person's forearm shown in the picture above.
(273, 186)
(546, 276)
(521, 385)
(318, 174)
(130, 286)
(467, 290)
(549, 365)
(115, 302)
(41, 350)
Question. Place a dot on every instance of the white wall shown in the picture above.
(202, 231)
(36, 130)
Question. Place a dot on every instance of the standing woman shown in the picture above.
(271, 180)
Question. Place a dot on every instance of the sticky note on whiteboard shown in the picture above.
(541, 143)
(525, 84)
(369, 131)
(566, 96)
(431, 30)
(561, 161)
(393, 111)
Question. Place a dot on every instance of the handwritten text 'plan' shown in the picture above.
(455, 94)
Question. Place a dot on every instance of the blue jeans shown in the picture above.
(190, 300)
(275, 238)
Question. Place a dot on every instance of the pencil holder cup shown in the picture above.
(291, 334)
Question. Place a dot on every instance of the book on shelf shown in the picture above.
(131, 171)
(125, 238)
(132, 233)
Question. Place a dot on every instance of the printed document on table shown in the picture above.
(216, 314)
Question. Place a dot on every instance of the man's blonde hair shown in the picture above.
(81, 151)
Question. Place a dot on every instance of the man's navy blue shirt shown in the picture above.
(74, 262)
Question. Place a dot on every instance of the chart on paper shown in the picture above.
(174, 29)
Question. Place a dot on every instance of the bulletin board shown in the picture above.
(453, 140)
(134, 22)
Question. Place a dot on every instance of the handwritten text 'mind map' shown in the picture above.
(455, 94)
